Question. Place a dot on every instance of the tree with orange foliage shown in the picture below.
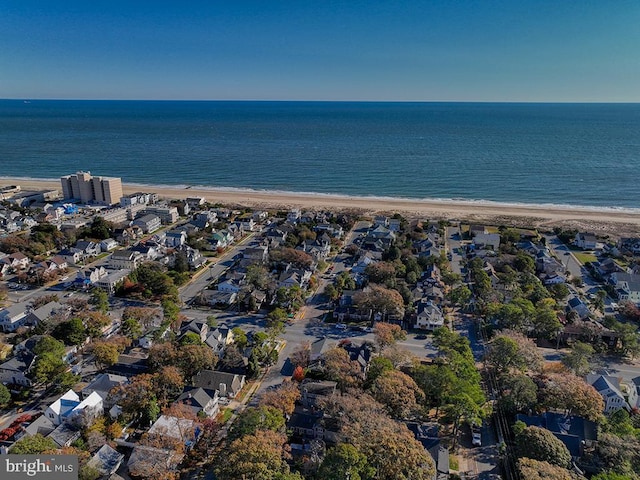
(283, 398)
(388, 334)
(298, 374)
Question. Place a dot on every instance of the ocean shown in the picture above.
(559, 154)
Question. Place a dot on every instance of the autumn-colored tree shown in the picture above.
(161, 355)
(390, 448)
(383, 273)
(536, 470)
(193, 358)
(95, 322)
(578, 360)
(301, 356)
(340, 368)
(571, 393)
(143, 315)
(518, 393)
(105, 353)
(258, 456)
(388, 334)
(540, 444)
(380, 300)
(398, 392)
(290, 255)
(168, 382)
(283, 398)
(298, 374)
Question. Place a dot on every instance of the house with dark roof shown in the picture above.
(200, 400)
(16, 369)
(611, 391)
(575, 432)
(102, 385)
(106, 460)
(227, 384)
(312, 391)
(627, 286)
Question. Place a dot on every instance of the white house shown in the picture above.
(429, 316)
(14, 316)
(610, 390)
(586, 241)
(108, 244)
(69, 408)
(125, 259)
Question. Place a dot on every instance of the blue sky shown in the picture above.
(453, 50)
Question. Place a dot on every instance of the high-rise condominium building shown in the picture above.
(82, 186)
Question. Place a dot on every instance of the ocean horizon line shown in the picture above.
(374, 198)
(417, 102)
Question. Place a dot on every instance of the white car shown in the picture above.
(476, 438)
(341, 326)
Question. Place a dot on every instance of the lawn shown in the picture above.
(585, 257)
(225, 415)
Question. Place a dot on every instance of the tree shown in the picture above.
(519, 393)
(340, 368)
(571, 393)
(540, 444)
(193, 358)
(524, 263)
(47, 367)
(579, 359)
(437, 382)
(460, 295)
(503, 355)
(168, 382)
(301, 356)
(275, 316)
(131, 328)
(383, 273)
(387, 334)
(377, 367)
(239, 337)
(546, 323)
(618, 455)
(461, 408)
(258, 456)
(32, 445)
(399, 392)
(253, 419)
(190, 338)
(345, 461)
(283, 398)
(100, 299)
(298, 374)
(5, 396)
(380, 300)
(536, 470)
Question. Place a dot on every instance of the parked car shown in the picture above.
(476, 437)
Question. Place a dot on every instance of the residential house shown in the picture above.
(69, 408)
(102, 385)
(607, 267)
(381, 220)
(319, 347)
(429, 316)
(108, 244)
(486, 241)
(149, 251)
(90, 276)
(611, 391)
(148, 223)
(129, 235)
(360, 353)
(575, 304)
(227, 384)
(16, 260)
(14, 316)
(87, 248)
(216, 298)
(575, 432)
(293, 216)
(106, 460)
(166, 213)
(221, 239)
(586, 241)
(427, 435)
(259, 254)
(112, 280)
(130, 364)
(306, 423)
(16, 370)
(247, 224)
(313, 392)
(294, 277)
(200, 400)
(70, 256)
(333, 230)
(198, 327)
(475, 229)
(630, 246)
(54, 264)
(65, 434)
(42, 313)
(181, 429)
(219, 338)
(175, 238)
(627, 286)
(125, 259)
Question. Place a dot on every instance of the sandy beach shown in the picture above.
(606, 221)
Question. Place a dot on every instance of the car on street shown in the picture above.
(476, 437)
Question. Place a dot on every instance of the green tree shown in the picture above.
(190, 338)
(32, 445)
(71, 332)
(519, 393)
(579, 359)
(258, 418)
(131, 328)
(540, 444)
(5, 396)
(181, 263)
(345, 461)
(100, 299)
(377, 367)
(460, 295)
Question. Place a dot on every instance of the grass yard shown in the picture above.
(585, 257)
(225, 415)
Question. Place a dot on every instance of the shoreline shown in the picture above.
(599, 219)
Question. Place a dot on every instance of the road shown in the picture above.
(192, 289)
(453, 242)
